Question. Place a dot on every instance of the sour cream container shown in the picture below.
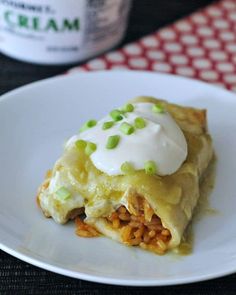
(61, 31)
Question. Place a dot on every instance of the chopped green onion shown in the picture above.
(88, 124)
(81, 144)
(116, 115)
(126, 128)
(127, 168)
(107, 125)
(90, 148)
(128, 108)
(150, 167)
(157, 108)
(63, 193)
(139, 123)
(112, 141)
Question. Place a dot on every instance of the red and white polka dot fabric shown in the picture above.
(201, 46)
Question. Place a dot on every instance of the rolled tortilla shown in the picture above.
(172, 197)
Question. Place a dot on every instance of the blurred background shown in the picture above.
(146, 16)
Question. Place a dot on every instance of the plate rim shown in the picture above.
(113, 281)
(100, 278)
(68, 75)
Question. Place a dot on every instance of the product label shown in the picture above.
(52, 31)
(16, 21)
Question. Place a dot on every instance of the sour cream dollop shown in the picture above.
(160, 141)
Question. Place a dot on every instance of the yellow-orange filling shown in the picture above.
(142, 229)
(84, 230)
(139, 228)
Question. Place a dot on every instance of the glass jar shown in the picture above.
(61, 31)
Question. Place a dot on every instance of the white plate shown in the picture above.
(34, 122)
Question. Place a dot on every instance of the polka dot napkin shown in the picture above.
(201, 46)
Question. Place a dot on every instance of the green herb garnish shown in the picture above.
(126, 128)
(139, 123)
(112, 141)
(127, 168)
(150, 167)
(63, 193)
(128, 108)
(81, 144)
(107, 125)
(157, 108)
(116, 115)
(90, 148)
(88, 124)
